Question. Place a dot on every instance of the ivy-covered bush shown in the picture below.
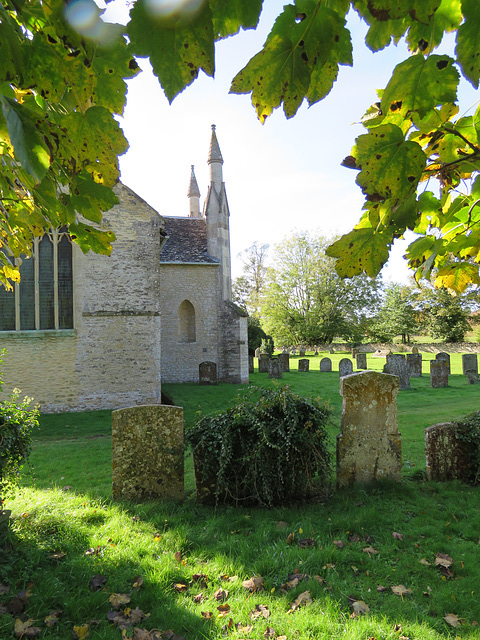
(269, 449)
(468, 433)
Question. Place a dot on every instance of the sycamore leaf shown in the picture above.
(370, 550)
(52, 618)
(220, 595)
(443, 560)
(457, 276)
(452, 620)
(223, 610)
(97, 582)
(421, 84)
(255, 583)
(360, 250)
(468, 41)
(360, 607)
(303, 599)
(260, 611)
(401, 590)
(397, 536)
(137, 582)
(229, 17)
(425, 562)
(207, 615)
(178, 47)
(117, 599)
(88, 238)
(81, 632)
(339, 544)
(26, 629)
(383, 10)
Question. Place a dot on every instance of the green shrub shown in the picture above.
(269, 449)
(468, 432)
(17, 420)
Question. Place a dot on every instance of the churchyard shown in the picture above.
(392, 560)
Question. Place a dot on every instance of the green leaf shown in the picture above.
(468, 42)
(421, 84)
(390, 166)
(427, 36)
(178, 47)
(30, 148)
(383, 10)
(457, 276)
(382, 33)
(360, 250)
(229, 16)
(90, 239)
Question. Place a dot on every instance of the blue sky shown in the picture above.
(281, 177)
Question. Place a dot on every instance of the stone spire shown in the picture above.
(215, 160)
(193, 194)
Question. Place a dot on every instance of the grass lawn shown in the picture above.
(178, 563)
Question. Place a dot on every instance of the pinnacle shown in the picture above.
(214, 155)
(193, 190)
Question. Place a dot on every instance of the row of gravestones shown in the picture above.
(148, 454)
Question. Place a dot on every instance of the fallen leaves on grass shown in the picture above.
(52, 618)
(381, 588)
(290, 538)
(360, 608)
(97, 582)
(220, 595)
(370, 550)
(260, 611)
(180, 586)
(304, 599)
(80, 632)
(25, 629)
(443, 560)
(339, 544)
(254, 584)
(397, 536)
(59, 555)
(198, 599)
(223, 610)
(306, 543)
(425, 562)
(206, 614)
(137, 582)
(452, 620)
(117, 599)
(401, 590)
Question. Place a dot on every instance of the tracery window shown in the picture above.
(44, 298)
(186, 322)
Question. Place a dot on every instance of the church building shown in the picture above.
(103, 332)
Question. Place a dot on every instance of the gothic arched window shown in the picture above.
(186, 322)
(44, 297)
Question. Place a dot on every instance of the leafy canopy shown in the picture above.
(418, 160)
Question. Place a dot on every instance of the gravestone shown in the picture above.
(414, 350)
(302, 352)
(345, 367)
(447, 457)
(396, 365)
(263, 363)
(471, 376)
(438, 374)
(361, 360)
(284, 359)
(331, 351)
(369, 445)
(325, 364)
(147, 453)
(304, 365)
(207, 373)
(274, 368)
(257, 352)
(294, 351)
(444, 357)
(251, 368)
(469, 363)
(315, 352)
(414, 365)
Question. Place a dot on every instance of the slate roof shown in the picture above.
(186, 241)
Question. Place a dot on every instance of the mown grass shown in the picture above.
(65, 507)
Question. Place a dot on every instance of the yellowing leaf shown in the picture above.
(401, 591)
(303, 599)
(117, 599)
(370, 550)
(26, 629)
(81, 632)
(360, 607)
(452, 620)
(443, 560)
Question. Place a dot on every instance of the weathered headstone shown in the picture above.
(147, 453)
(444, 357)
(471, 376)
(469, 363)
(361, 360)
(207, 373)
(414, 350)
(315, 351)
(284, 359)
(263, 363)
(304, 365)
(331, 351)
(397, 365)
(345, 367)
(438, 374)
(325, 364)
(302, 352)
(414, 365)
(251, 368)
(257, 352)
(274, 368)
(369, 445)
(294, 351)
(447, 457)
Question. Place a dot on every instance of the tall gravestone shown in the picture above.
(325, 364)
(274, 368)
(361, 360)
(251, 368)
(444, 357)
(447, 458)
(263, 363)
(369, 445)
(284, 359)
(147, 453)
(302, 352)
(470, 366)
(414, 365)
(438, 374)
(345, 367)
(304, 365)
(207, 373)
(257, 352)
(396, 365)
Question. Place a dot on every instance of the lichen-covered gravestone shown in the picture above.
(284, 359)
(397, 365)
(274, 369)
(147, 453)
(447, 457)
(470, 367)
(361, 359)
(207, 373)
(345, 367)
(444, 357)
(304, 365)
(414, 365)
(263, 363)
(369, 445)
(438, 374)
(325, 364)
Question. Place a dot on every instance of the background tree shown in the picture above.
(397, 315)
(248, 288)
(256, 335)
(307, 302)
(445, 315)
